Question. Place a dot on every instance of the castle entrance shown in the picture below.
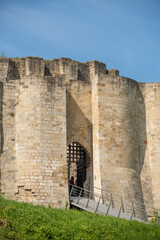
(76, 160)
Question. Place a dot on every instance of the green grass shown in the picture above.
(21, 221)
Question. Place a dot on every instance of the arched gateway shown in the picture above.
(77, 160)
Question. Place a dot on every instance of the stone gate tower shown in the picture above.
(60, 118)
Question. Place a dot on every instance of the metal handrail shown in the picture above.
(123, 204)
(118, 195)
(86, 190)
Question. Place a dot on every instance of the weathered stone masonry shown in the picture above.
(47, 106)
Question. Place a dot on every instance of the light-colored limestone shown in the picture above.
(47, 105)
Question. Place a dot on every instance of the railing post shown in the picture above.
(122, 204)
(88, 200)
(98, 204)
(71, 192)
(145, 213)
(119, 211)
(108, 207)
(134, 212)
(102, 196)
(146, 216)
(112, 201)
(79, 196)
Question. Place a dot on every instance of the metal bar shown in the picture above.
(77, 187)
(122, 204)
(102, 196)
(121, 196)
(108, 208)
(75, 192)
(88, 200)
(98, 204)
(79, 196)
(71, 192)
(146, 217)
(134, 212)
(119, 211)
(112, 201)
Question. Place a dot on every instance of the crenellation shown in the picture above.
(3, 68)
(97, 68)
(34, 66)
(113, 72)
(84, 72)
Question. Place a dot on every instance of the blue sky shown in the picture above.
(124, 34)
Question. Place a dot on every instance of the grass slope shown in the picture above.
(22, 221)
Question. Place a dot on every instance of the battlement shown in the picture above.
(15, 68)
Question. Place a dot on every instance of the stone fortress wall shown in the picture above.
(47, 105)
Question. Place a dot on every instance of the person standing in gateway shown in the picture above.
(71, 182)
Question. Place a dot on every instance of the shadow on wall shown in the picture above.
(136, 112)
(79, 130)
(124, 116)
(138, 124)
(141, 180)
(143, 164)
(135, 126)
(12, 72)
(141, 129)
